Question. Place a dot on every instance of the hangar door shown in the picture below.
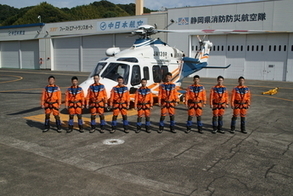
(67, 54)
(83, 53)
(20, 54)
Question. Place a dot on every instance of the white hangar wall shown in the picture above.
(90, 40)
(69, 46)
(19, 46)
(265, 56)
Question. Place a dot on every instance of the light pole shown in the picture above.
(40, 18)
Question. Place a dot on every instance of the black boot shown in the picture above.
(161, 129)
(243, 125)
(58, 124)
(93, 128)
(113, 129)
(188, 129)
(70, 128)
(233, 122)
(102, 128)
(147, 129)
(172, 129)
(47, 125)
(138, 128)
(125, 127)
(80, 128)
(215, 127)
(200, 130)
(220, 124)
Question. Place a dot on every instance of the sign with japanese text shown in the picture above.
(114, 25)
(222, 18)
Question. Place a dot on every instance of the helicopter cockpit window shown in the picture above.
(98, 69)
(157, 76)
(128, 59)
(114, 70)
(135, 77)
(146, 73)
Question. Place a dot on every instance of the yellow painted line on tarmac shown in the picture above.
(64, 118)
(273, 97)
(15, 80)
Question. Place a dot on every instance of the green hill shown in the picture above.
(98, 9)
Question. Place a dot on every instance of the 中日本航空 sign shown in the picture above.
(123, 24)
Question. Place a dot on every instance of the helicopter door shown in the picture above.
(136, 76)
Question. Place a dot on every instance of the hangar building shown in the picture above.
(79, 45)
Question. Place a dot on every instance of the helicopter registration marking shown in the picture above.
(160, 53)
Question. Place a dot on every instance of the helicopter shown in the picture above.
(150, 59)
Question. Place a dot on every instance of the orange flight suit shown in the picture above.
(119, 100)
(240, 100)
(169, 97)
(219, 100)
(97, 98)
(195, 98)
(143, 101)
(74, 100)
(51, 99)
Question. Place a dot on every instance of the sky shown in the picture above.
(151, 4)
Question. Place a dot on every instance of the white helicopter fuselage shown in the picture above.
(147, 58)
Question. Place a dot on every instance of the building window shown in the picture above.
(222, 48)
(233, 48)
(256, 48)
(285, 48)
(146, 73)
(241, 48)
(214, 48)
(228, 48)
(261, 48)
(247, 47)
(252, 48)
(237, 48)
(270, 48)
(275, 47)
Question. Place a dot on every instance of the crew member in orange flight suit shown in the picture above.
(51, 102)
(195, 100)
(74, 102)
(240, 102)
(143, 104)
(97, 101)
(119, 102)
(168, 100)
(218, 102)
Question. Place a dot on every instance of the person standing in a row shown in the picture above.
(51, 102)
(119, 102)
(240, 102)
(168, 100)
(74, 102)
(97, 102)
(143, 104)
(195, 100)
(219, 101)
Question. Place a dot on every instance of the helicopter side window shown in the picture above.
(98, 69)
(164, 71)
(146, 73)
(114, 70)
(157, 75)
(136, 76)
